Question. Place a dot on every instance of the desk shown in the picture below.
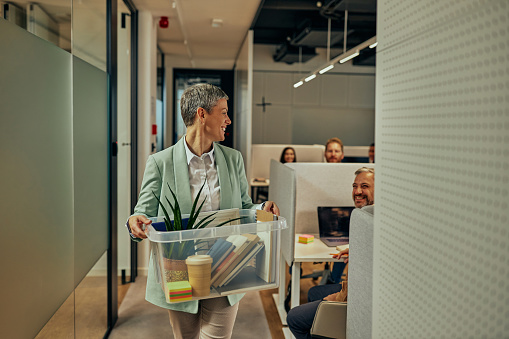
(254, 187)
(312, 252)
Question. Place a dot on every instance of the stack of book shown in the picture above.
(230, 256)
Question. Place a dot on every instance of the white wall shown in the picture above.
(442, 182)
(340, 103)
(147, 87)
(243, 99)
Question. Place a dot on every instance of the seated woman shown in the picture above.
(288, 155)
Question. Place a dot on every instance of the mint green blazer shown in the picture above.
(170, 165)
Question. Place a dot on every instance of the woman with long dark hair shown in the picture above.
(288, 155)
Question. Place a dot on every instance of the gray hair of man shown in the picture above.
(205, 96)
(365, 170)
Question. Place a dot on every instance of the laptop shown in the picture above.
(334, 225)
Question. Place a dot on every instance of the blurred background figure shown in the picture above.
(334, 150)
(372, 153)
(288, 155)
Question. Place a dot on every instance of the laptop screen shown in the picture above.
(334, 221)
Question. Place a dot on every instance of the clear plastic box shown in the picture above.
(245, 255)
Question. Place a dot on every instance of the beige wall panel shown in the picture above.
(361, 91)
(334, 91)
(307, 94)
(278, 88)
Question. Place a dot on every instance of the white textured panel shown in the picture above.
(334, 90)
(441, 260)
(360, 274)
(278, 88)
(404, 20)
(307, 94)
(361, 91)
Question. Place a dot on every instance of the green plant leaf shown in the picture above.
(190, 224)
(205, 219)
(177, 215)
(175, 225)
(167, 220)
(204, 224)
(192, 215)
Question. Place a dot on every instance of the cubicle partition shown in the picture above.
(299, 188)
(261, 156)
(282, 191)
(360, 274)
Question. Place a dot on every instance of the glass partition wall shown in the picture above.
(59, 164)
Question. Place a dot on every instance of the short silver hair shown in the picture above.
(205, 96)
(365, 170)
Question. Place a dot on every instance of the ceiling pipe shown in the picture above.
(345, 31)
(296, 5)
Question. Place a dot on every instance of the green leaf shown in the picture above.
(193, 216)
(177, 215)
(174, 226)
(204, 219)
(204, 224)
(167, 220)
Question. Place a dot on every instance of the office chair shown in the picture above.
(330, 320)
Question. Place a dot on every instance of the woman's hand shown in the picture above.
(343, 253)
(137, 224)
(270, 206)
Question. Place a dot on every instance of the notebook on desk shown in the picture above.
(334, 225)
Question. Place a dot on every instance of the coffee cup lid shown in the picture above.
(199, 259)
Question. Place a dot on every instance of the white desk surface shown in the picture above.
(315, 251)
(259, 183)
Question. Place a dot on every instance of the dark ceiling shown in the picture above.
(295, 25)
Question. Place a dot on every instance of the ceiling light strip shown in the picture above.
(311, 77)
(298, 84)
(328, 68)
(354, 50)
(342, 58)
(351, 56)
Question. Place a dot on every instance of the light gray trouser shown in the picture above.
(215, 319)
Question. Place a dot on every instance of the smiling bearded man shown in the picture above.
(363, 192)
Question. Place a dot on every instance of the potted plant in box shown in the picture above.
(175, 253)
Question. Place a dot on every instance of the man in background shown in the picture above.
(334, 150)
(300, 318)
(371, 153)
